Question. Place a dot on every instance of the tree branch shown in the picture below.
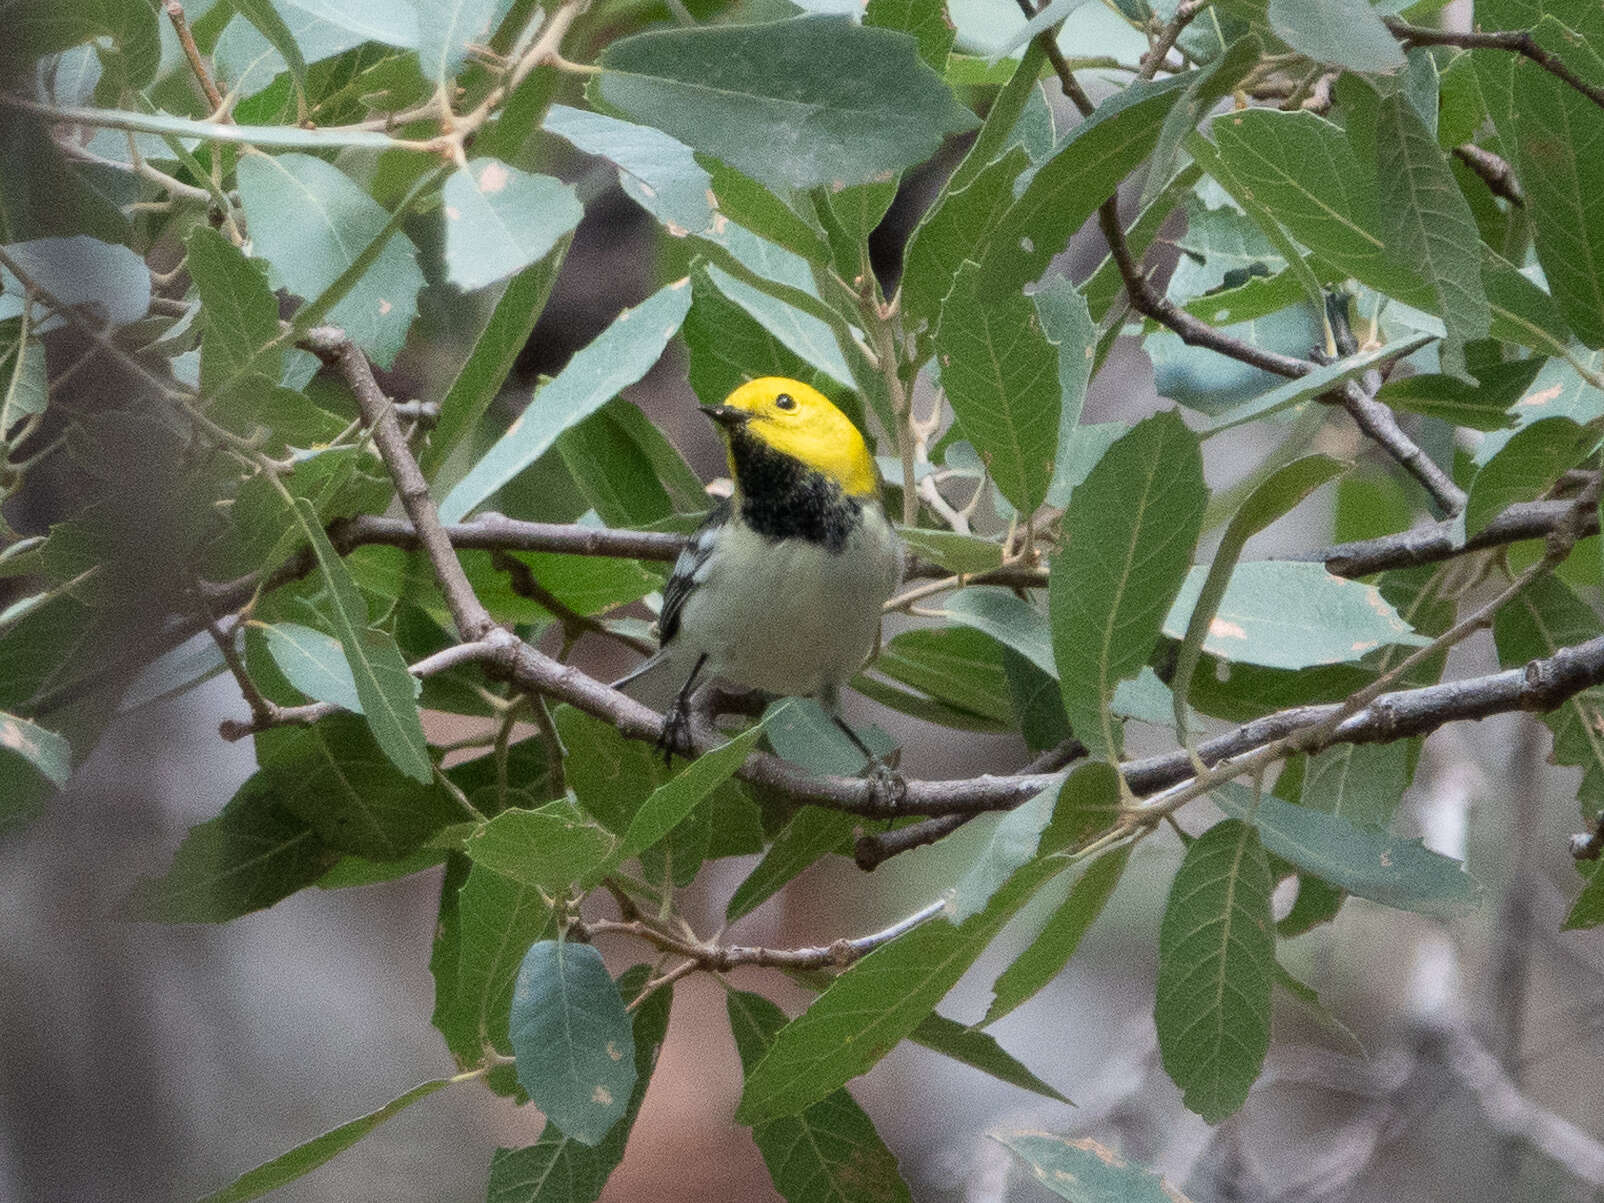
(1372, 417)
(721, 958)
(1494, 172)
(1516, 41)
(472, 620)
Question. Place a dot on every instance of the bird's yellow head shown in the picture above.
(797, 420)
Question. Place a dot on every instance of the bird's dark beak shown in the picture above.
(726, 415)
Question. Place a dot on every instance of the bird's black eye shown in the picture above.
(785, 401)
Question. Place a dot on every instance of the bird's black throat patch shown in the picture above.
(783, 498)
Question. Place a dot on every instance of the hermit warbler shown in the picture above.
(781, 588)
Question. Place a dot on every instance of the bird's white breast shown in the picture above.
(791, 616)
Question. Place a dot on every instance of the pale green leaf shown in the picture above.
(499, 220)
(573, 1039)
(793, 104)
(617, 358)
(1084, 1171)
(386, 689)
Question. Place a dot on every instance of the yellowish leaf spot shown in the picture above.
(613, 1051)
(602, 1095)
(1220, 628)
(1542, 397)
(453, 213)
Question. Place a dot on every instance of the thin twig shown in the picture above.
(301, 716)
(721, 958)
(1516, 41)
(175, 13)
(1494, 171)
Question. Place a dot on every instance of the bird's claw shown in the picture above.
(887, 788)
(676, 735)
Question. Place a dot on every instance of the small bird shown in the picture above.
(781, 588)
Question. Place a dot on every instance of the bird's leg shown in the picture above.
(676, 736)
(887, 787)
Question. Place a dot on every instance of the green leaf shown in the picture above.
(743, 199)
(1021, 89)
(1058, 939)
(961, 668)
(978, 1051)
(1129, 532)
(801, 331)
(447, 29)
(387, 690)
(1000, 373)
(793, 104)
(1088, 804)
(1291, 614)
(1084, 1171)
(558, 1169)
(827, 1153)
(249, 857)
(1270, 499)
(1366, 861)
(335, 775)
(1588, 910)
(1304, 388)
(671, 803)
(1533, 459)
(1559, 133)
(111, 280)
(24, 385)
(1067, 321)
(1362, 783)
(304, 1158)
(617, 358)
(874, 1004)
(612, 470)
(1206, 87)
(951, 550)
(1301, 169)
(499, 220)
(49, 754)
(573, 1039)
(813, 832)
(493, 920)
(1007, 618)
(1083, 172)
(550, 848)
(267, 22)
(479, 378)
(1427, 222)
(314, 663)
(662, 176)
(729, 346)
(1544, 618)
(1481, 406)
(1215, 969)
(35, 30)
(926, 20)
(240, 311)
(311, 222)
(1014, 836)
(1341, 33)
(32, 761)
